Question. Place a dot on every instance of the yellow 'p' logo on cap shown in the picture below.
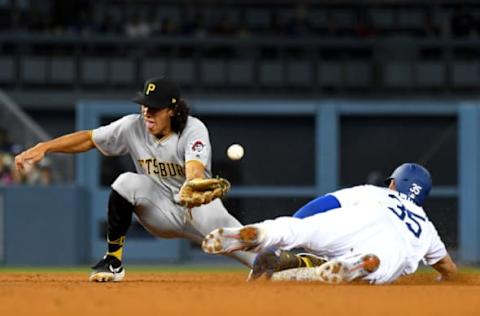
(150, 87)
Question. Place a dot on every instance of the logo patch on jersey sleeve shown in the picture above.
(198, 146)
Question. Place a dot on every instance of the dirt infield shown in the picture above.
(227, 293)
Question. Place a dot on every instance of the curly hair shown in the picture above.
(179, 119)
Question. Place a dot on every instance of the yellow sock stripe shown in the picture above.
(117, 254)
(307, 262)
(120, 241)
(299, 264)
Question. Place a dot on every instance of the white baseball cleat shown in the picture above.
(108, 269)
(227, 240)
(348, 269)
(333, 272)
(107, 276)
(297, 274)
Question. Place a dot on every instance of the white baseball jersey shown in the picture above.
(161, 159)
(370, 220)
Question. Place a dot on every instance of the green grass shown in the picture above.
(162, 268)
(130, 268)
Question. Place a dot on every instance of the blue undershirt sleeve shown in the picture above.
(321, 204)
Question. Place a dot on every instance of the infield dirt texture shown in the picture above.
(227, 293)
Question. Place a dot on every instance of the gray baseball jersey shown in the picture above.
(160, 165)
(161, 159)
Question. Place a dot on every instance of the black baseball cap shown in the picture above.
(158, 93)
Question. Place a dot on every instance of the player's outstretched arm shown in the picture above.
(71, 143)
(446, 267)
(194, 169)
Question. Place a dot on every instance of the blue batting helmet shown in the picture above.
(412, 180)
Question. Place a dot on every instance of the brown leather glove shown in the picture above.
(199, 191)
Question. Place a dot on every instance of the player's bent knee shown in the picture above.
(128, 183)
(123, 179)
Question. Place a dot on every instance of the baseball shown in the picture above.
(235, 152)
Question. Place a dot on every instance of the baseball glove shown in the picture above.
(199, 191)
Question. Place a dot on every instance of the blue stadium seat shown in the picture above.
(34, 69)
(430, 74)
(153, 68)
(466, 74)
(122, 71)
(271, 73)
(182, 71)
(359, 74)
(398, 74)
(299, 73)
(213, 72)
(330, 74)
(7, 65)
(62, 70)
(94, 70)
(241, 72)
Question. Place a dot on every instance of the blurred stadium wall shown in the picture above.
(322, 94)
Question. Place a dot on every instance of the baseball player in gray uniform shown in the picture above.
(168, 147)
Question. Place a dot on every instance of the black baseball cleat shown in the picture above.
(274, 260)
(109, 269)
(335, 271)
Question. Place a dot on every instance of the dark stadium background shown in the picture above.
(244, 55)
